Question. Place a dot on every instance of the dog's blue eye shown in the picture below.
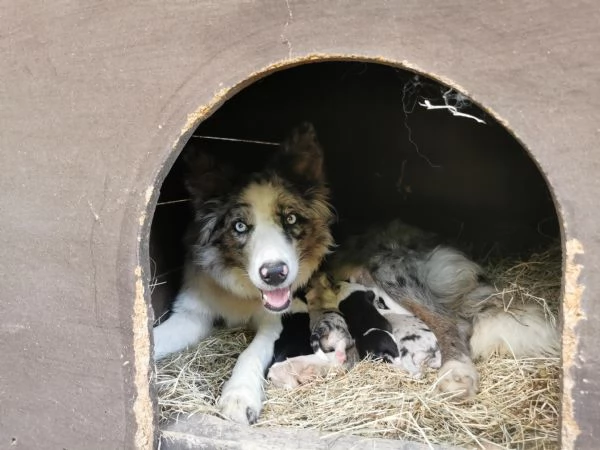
(291, 219)
(240, 227)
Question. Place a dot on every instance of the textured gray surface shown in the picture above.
(208, 432)
(94, 99)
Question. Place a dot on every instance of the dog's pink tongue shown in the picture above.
(277, 298)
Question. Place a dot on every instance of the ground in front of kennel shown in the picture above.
(98, 100)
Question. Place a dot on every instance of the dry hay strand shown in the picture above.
(537, 279)
(517, 406)
(190, 382)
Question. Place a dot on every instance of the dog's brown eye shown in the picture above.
(240, 227)
(291, 219)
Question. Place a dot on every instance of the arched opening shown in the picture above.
(397, 145)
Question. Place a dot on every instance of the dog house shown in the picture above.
(98, 101)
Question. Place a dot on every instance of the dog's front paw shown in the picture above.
(240, 403)
(459, 377)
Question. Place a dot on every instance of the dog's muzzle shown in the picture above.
(274, 273)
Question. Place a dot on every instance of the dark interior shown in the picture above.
(386, 156)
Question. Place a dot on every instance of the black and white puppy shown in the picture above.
(387, 330)
(371, 331)
(417, 344)
(379, 327)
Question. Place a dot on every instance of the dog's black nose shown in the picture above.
(274, 273)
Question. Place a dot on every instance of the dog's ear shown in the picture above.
(206, 179)
(300, 158)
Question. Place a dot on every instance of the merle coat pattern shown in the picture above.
(255, 239)
(448, 292)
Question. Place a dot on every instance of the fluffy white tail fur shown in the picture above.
(522, 331)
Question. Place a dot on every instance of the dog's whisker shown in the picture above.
(173, 202)
(246, 141)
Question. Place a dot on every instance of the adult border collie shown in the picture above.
(255, 239)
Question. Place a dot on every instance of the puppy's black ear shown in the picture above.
(206, 179)
(370, 296)
(379, 303)
(300, 158)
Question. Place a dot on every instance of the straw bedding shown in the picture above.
(517, 406)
